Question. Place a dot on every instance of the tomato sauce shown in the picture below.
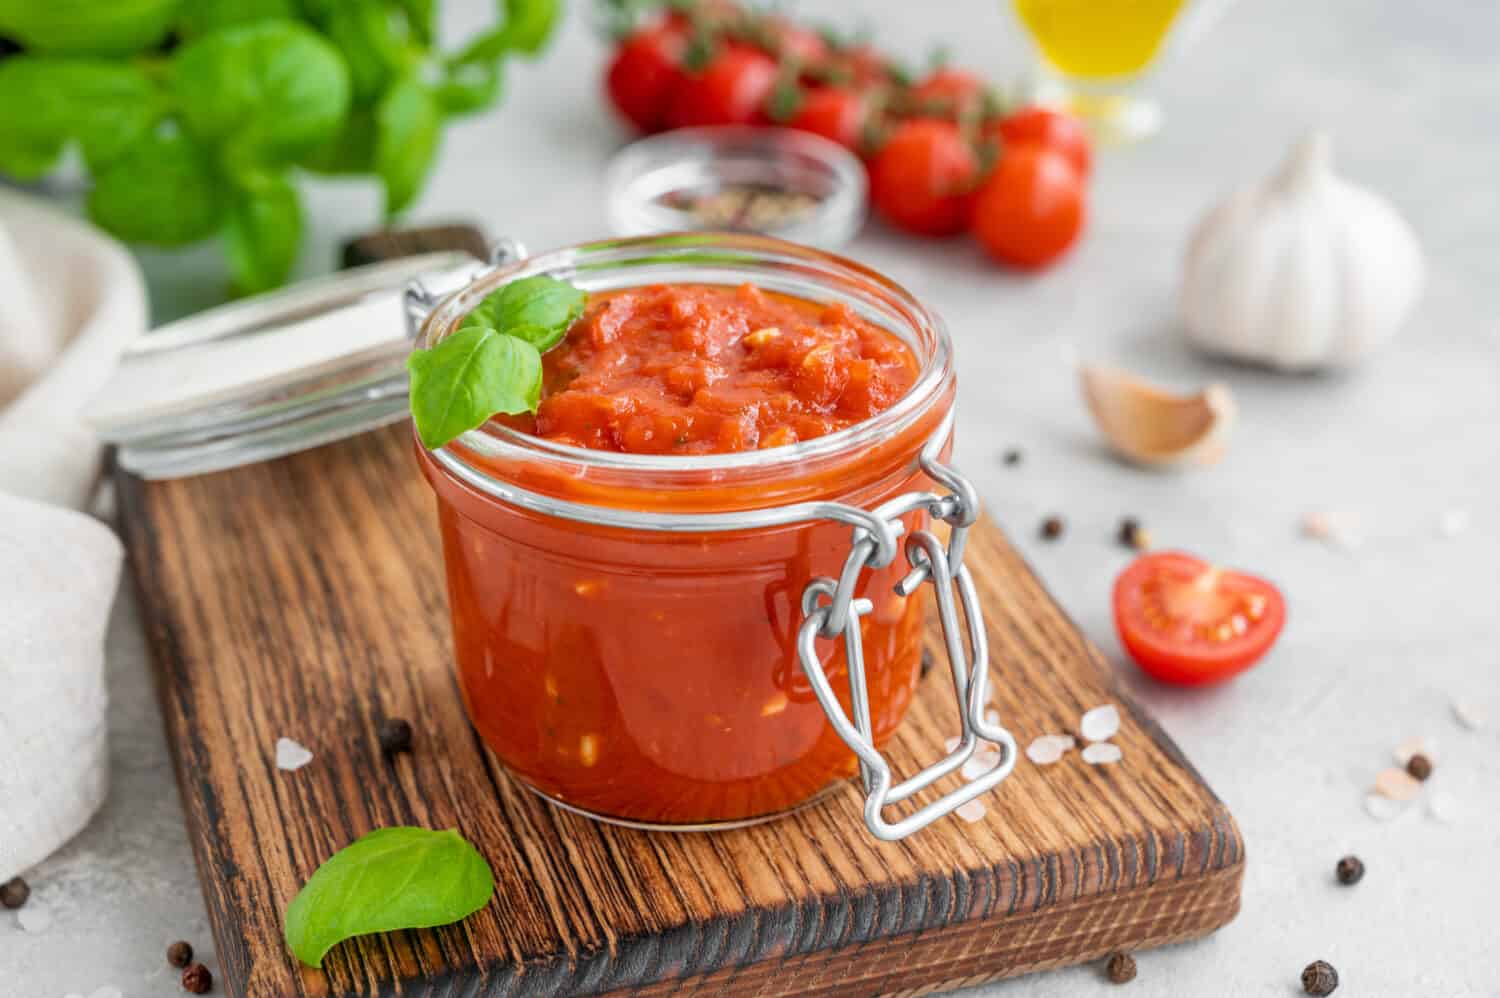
(698, 369)
(652, 676)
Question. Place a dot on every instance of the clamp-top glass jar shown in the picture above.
(674, 641)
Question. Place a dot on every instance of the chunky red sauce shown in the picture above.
(653, 676)
(698, 369)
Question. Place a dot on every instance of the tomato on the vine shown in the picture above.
(1031, 208)
(834, 113)
(1188, 622)
(645, 73)
(923, 178)
(948, 93)
(793, 42)
(1054, 129)
(733, 89)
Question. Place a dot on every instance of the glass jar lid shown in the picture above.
(774, 181)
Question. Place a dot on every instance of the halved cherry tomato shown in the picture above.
(1188, 622)
(732, 89)
(948, 93)
(834, 113)
(1054, 129)
(923, 178)
(645, 73)
(1031, 208)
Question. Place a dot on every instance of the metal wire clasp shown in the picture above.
(831, 610)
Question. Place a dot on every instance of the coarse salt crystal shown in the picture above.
(1332, 527)
(979, 763)
(992, 717)
(290, 755)
(34, 918)
(1397, 784)
(1469, 715)
(1382, 808)
(971, 811)
(1100, 724)
(1101, 753)
(1442, 806)
(1454, 522)
(951, 743)
(1044, 751)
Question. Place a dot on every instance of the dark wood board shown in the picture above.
(305, 597)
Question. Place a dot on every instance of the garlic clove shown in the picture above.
(1151, 426)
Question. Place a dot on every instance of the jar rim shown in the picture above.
(620, 263)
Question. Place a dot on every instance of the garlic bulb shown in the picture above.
(1301, 271)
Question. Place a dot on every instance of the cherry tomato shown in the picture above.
(645, 73)
(1188, 622)
(833, 113)
(948, 92)
(795, 42)
(861, 66)
(923, 178)
(1031, 208)
(1054, 129)
(731, 90)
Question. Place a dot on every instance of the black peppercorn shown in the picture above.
(14, 892)
(394, 735)
(1052, 528)
(180, 954)
(1120, 968)
(1319, 978)
(1133, 535)
(1350, 870)
(1012, 457)
(197, 980)
(1419, 766)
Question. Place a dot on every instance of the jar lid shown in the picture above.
(775, 181)
(275, 373)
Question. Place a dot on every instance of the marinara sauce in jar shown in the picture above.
(633, 569)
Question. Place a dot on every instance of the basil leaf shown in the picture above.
(46, 101)
(537, 309)
(363, 33)
(87, 27)
(262, 92)
(352, 150)
(163, 190)
(392, 878)
(264, 231)
(408, 128)
(203, 16)
(469, 87)
(526, 27)
(469, 376)
(421, 19)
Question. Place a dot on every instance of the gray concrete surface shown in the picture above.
(1381, 638)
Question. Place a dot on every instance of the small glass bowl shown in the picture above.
(774, 181)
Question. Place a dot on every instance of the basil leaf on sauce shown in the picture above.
(537, 309)
(392, 878)
(468, 377)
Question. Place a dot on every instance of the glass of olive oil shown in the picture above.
(1096, 51)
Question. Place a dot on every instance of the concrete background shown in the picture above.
(1381, 637)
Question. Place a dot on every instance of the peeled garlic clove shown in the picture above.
(1151, 426)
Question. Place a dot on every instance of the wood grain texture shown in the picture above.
(305, 597)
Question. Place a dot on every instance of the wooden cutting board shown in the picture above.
(305, 597)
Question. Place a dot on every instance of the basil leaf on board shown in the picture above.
(262, 92)
(469, 376)
(87, 27)
(392, 878)
(163, 190)
(46, 101)
(537, 309)
(203, 16)
(263, 233)
(408, 129)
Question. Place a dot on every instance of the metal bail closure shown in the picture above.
(831, 611)
(279, 372)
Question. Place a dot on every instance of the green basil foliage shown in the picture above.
(493, 362)
(194, 116)
(392, 878)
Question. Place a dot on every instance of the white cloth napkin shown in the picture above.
(70, 299)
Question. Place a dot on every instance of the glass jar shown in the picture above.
(669, 641)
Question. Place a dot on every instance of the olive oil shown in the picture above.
(1098, 39)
